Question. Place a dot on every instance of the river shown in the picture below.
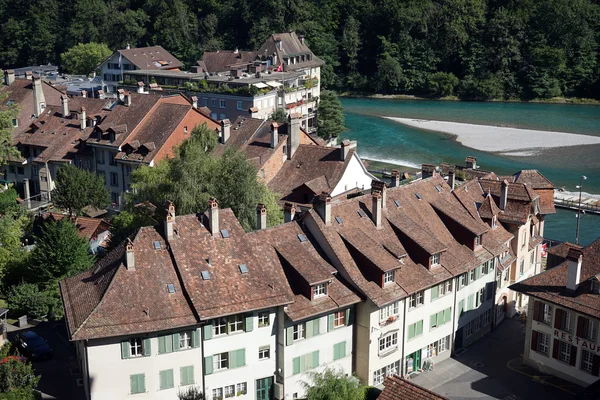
(385, 140)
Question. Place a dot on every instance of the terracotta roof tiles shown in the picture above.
(396, 388)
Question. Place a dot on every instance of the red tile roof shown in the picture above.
(86, 227)
(397, 388)
(152, 58)
(223, 60)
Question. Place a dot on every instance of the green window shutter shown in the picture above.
(343, 349)
(336, 351)
(296, 365)
(233, 359)
(133, 384)
(208, 332)
(302, 363)
(411, 331)
(419, 328)
(309, 329)
(448, 315)
(162, 344)
(166, 379)
(315, 359)
(241, 357)
(478, 272)
(249, 322)
(349, 317)
(461, 307)
(196, 338)
(208, 365)
(440, 318)
(125, 352)
(470, 303)
(147, 347)
(330, 322)
(186, 375)
(137, 383)
(142, 383)
(162, 379)
(432, 321)
(316, 326)
(435, 292)
(289, 336)
(175, 340)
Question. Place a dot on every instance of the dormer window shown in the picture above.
(319, 290)
(434, 259)
(595, 287)
(494, 222)
(389, 277)
(478, 241)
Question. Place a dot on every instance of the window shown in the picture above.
(565, 322)
(229, 391)
(339, 319)
(506, 274)
(587, 361)
(391, 310)
(166, 379)
(564, 352)
(445, 287)
(114, 199)
(388, 277)
(463, 280)
(299, 332)
(416, 299)
(264, 353)
(477, 323)
(127, 170)
(100, 156)
(380, 374)
(217, 393)
(319, 290)
(220, 326)
(477, 240)
(547, 313)
(440, 318)
(469, 329)
(532, 258)
(136, 347)
(388, 343)
(305, 362)
(588, 330)
(241, 388)
(222, 103)
(137, 383)
(487, 317)
(35, 170)
(213, 102)
(438, 347)
(479, 297)
(472, 276)
(263, 319)
(205, 101)
(186, 375)
(220, 361)
(114, 179)
(15, 123)
(185, 340)
(415, 330)
(522, 267)
(236, 323)
(543, 343)
(111, 159)
(434, 259)
(240, 105)
(339, 350)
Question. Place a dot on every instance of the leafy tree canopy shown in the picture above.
(18, 380)
(330, 117)
(83, 59)
(7, 114)
(27, 299)
(333, 384)
(77, 188)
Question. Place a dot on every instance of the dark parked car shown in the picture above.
(33, 346)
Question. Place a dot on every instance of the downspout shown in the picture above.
(403, 360)
(87, 367)
(454, 316)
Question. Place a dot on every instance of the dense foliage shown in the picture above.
(504, 48)
(330, 116)
(332, 384)
(84, 58)
(17, 377)
(77, 188)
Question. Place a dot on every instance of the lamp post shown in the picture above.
(581, 179)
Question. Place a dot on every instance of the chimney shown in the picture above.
(324, 207)
(289, 211)
(274, 134)
(170, 221)
(9, 76)
(127, 100)
(64, 100)
(471, 162)
(376, 208)
(101, 94)
(293, 134)
(129, 256)
(39, 101)
(84, 94)
(140, 88)
(82, 118)
(121, 94)
(261, 217)
(451, 178)
(503, 194)
(28, 75)
(301, 39)
(213, 216)
(278, 43)
(27, 193)
(395, 178)
(345, 148)
(574, 258)
(225, 130)
(194, 102)
(379, 186)
(427, 171)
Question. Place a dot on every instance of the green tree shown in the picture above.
(13, 225)
(7, 114)
(8, 200)
(332, 384)
(59, 252)
(389, 74)
(83, 59)
(27, 299)
(279, 116)
(330, 117)
(77, 188)
(488, 88)
(18, 380)
(124, 224)
(442, 84)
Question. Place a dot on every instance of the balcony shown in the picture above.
(391, 319)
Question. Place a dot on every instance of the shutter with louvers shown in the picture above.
(147, 347)
(470, 302)
(239, 356)
(196, 338)
(580, 325)
(315, 359)
(133, 384)
(478, 272)
(208, 365)
(411, 331)
(448, 314)
(289, 336)
(534, 340)
(555, 345)
(249, 323)
(233, 363)
(573, 358)
(349, 317)
(343, 349)
(558, 319)
(330, 318)
(309, 329)
(596, 365)
(207, 330)
(440, 318)
(162, 344)
(536, 311)
(433, 321)
(435, 292)
(302, 363)
(336, 351)
(296, 365)
(175, 340)
(419, 328)
(125, 351)
(316, 326)
(162, 378)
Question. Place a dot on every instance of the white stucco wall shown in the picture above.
(379, 329)
(355, 176)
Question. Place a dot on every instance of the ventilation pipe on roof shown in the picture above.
(301, 39)
(213, 216)
(129, 256)
(194, 102)
(451, 178)
(170, 221)
(82, 118)
(225, 130)
(324, 207)
(345, 148)
(28, 75)
(274, 134)
(289, 211)
(294, 134)
(101, 94)
(503, 194)
(84, 94)
(127, 100)
(64, 101)
(140, 87)
(395, 178)
(9, 76)
(471, 162)
(379, 186)
(376, 209)
(574, 258)
(39, 101)
(261, 217)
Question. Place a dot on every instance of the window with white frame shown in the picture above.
(391, 310)
(543, 344)
(380, 374)
(547, 313)
(299, 332)
(487, 317)
(136, 347)
(220, 361)
(241, 388)
(229, 391)
(566, 321)
(240, 105)
(590, 329)
(236, 323)
(339, 319)
(522, 267)
(388, 342)
(469, 329)
(220, 326)
(445, 288)
(264, 353)
(416, 299)
(217, 393)
(463, 280)
(319, 290)
(478, 240)
(388, 277)
(472, 276)
(263, 319)
(479, 297)
(185, 340)
(222, 103)
(587, 361)
(213, 102)
(437, 347)
(564, 352)
(434, 259)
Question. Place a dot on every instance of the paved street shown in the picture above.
(59, 375)
(492, 368)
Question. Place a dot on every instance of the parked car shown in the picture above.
(33, 345)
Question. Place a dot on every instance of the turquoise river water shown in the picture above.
(388, 141)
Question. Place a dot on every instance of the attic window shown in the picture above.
(319, 290)
(434, 259)
(478, 240)
(301, 237)
(418, 196)
(243, 268)
(338, 220)
(389, 277)
(439, 189)
(171, 288)
(205, 275)
(397, 203)
(224, 233)
(156, 245)
(362, 213)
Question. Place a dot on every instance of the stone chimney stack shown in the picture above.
(301, 39)
(293, 134)
(28, 75)
(289, 212)
(194, 102)
(261, 217)
(129, 256)
(64, 100)
(127, 100)
(213, 216)
(395, 178)
(101, 94)
(84, 94)
(345, 148)
(82, 118)
(140, 87)
(9, 76)
(39, 101)
(503, 194)
(471, 162)
(274, 134)
(170, 221)
(379, 186)
(225, 130)
(574, 258)
(451, 177)
(427, 171)
(376, 208)
(324, 207)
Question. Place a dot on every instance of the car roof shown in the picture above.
(29, 335)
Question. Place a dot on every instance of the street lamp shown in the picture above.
(581, 179)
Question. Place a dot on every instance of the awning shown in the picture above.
(274, 84)
(261, 85)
